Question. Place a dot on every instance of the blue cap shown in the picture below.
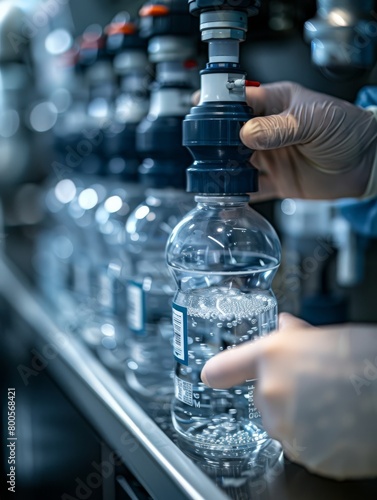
(211, 132)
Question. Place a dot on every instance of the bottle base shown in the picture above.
(222, 441)
(244, 477)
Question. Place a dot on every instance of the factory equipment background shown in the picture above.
(92, 182)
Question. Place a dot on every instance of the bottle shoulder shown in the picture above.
(230, 237)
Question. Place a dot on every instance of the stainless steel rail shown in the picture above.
(152, 457)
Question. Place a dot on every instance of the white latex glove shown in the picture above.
(316, 391)
(310, 145)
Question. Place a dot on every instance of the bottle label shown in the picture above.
(180, 334)
(183, 391)
(136, 307)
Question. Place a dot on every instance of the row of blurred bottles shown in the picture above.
(116, 190)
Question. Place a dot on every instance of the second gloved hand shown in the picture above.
(309, 145)
(316, 391)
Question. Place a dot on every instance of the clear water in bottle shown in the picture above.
(219, 318)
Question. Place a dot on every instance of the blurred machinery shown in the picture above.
(18, 94)
(316, 283)
(343, 36)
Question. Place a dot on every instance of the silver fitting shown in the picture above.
(223, 24)
(228, 34)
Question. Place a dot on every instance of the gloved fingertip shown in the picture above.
(284, 319)
(287, 320)
(251, 134)
(214, 374)
(203, 377)
(195, 98)
(207, 378)
(232, 367)
(271, 132)
(261, 133)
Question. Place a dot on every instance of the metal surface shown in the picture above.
(154, 459)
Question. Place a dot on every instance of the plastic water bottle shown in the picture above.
(67, 251)
(150, 291)
(223, 256)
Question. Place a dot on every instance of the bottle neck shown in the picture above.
(219, 201)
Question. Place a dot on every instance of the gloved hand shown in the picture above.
(309, 145)
(316, 391)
